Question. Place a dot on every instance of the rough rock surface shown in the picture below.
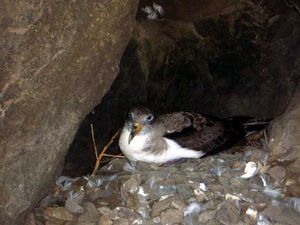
(284, 144)
(58, 58)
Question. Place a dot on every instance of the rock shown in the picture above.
(242, 223)
(73, 206)
(229, 213)
(171, 216)
(213, 222)
(209, 205)
(170, 202)
(134, 195)
(105, 211)
(284, 141)
(57, 63)
(104, 220)
(282, 215)
(200, 195)
(160, 206)
(30, 220)
(206, 216)
(59, 213)
(132, 185)
(178, 204)
(184, 191)
(117, 166)
(97, 193)
(111, 201)
(121, 221)
(55, 222)
(163, 189)
(90, 216)
(277, 173)
(125, 213)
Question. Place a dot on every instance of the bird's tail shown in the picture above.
(250, 124)
(255, 125)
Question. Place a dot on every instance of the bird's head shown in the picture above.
(139, 119)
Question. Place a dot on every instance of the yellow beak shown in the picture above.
(136, 128)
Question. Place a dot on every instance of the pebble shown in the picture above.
(60, 213)
(104, 220)
(282, 215)
(90, 216)
(162, 205)
(277, 173)
(171, 216)
(73, 206)
(204, 217)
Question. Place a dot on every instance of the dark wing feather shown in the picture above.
(200, 132)
(176, 122)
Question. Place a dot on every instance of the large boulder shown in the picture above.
(58, 60)
(284, 145)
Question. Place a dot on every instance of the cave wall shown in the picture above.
(58, 59)
(242, 63)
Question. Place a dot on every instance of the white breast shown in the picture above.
(135, 151)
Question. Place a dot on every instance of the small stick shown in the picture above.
(99, 157)
(266, 137)
(94, 142)
(114, 156)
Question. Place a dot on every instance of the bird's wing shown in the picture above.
(201, 132)
(177, 122)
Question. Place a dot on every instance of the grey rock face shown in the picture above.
(58, 60)
(284, 142)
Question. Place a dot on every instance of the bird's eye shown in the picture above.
(150, 118)
(130, 115)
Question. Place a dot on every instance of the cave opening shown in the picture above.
(225, 65)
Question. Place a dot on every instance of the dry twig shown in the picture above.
(99, 157)
(266, 137)
(114, 156)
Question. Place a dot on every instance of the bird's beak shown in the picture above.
(136, 128)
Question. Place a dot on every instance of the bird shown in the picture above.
(165, 138)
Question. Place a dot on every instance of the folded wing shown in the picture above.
(200, 132)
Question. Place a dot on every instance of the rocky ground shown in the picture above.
(226, 188)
